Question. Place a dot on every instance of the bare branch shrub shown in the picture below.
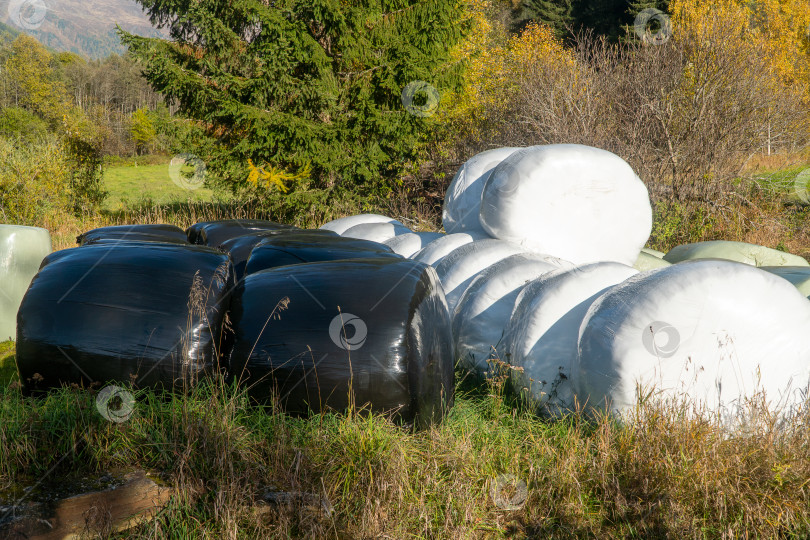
(686, 114)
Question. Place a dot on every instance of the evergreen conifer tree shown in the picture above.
(306, 95)
(555, 13)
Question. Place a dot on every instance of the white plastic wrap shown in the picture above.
(462, 202)
(734, 251)
(376, 232)
(543, 330)
(409, 243)
(798, 275)
(458, 269)
(345, 223)
(712, 332)
(483, 312)
(434, 252)
(21, 252)
(646, 262)
(575, 202)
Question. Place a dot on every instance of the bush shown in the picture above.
(34, 182)
(18, 123)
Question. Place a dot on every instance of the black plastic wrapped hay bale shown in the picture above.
(308, 333)
(283, 250)
(150, 314)
(118, 233)
(214, 233)
(239, 248)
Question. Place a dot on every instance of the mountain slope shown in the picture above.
(85, 27)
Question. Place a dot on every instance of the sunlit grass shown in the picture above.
(665, 475)
(131, 182)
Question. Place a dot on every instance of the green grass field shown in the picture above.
(492, 469)
(151, 178)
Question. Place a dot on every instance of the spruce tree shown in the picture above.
(555, 13)
(303, 94)
(604, 17)
(636, 7)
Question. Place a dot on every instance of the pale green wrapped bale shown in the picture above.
(751, 254)
(798, 275)
(21, 252)
(653, 252)
(647, 261)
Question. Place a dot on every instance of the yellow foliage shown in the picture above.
(774, 29)
(29, 68)
(497, 63)
(268, 176)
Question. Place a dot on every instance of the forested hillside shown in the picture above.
(84, 27)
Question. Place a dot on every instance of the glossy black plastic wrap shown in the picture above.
(214, 233)
(309, 247)
(239, 248)
(145, 313)
(308, 333)
(117, 233)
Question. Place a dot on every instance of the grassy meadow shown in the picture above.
(133, 181)
(493, 469)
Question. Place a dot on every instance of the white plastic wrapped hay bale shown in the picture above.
(734, 251)
(409, 243)
(21, 252)
(343, 224)
(376, 232)
(462, 202)
(798, 275)
(434, 252)
(575, 202)
(482, 314)
(458, 269)
(711, 332)
(646, 262)
(543, 330)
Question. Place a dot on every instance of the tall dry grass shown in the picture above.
(493, 469)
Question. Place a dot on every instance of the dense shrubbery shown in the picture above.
(35, 181)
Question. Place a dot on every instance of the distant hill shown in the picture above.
(85, 27)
